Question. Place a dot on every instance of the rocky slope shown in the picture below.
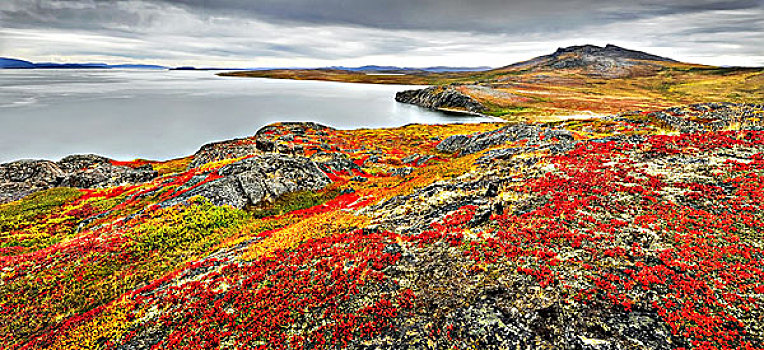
(641, 230)
(607, 62)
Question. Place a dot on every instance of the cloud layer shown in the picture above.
(277, 33)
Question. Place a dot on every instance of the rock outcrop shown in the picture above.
(266, 140)
(702, 117)
(335, 163)
(253, 180)
(446, 99)
(23, 177)
(217, 151)
(610, 51)
(469, 144)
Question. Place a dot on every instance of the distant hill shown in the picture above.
(437, 69)
(12, 63)
(137, 66)
(610, 61)
(443, 69)
(215, 68)
(52, 65)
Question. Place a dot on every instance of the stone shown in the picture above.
(23, 177)
(253, 180)
(401, 172)
(440, 98)
(334, 163)
(469, 144)
(217, 151)
(81, 162)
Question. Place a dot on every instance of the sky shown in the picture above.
(413, 33)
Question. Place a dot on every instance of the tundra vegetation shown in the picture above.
(637, 230)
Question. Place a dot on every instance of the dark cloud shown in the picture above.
(441, 15)
(460, 15)
(298, 32)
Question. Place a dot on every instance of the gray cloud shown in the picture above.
(460, 15)
(318, 32)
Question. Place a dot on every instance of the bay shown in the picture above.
(127, 114)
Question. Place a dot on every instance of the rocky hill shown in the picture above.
(608, 62)
(639, 230)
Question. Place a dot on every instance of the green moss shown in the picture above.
(22, 213)
(291, 202)
(508, 111)
(189, 230)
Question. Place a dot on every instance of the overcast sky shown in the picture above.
(309, 33)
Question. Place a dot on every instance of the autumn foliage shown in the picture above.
(668, 224)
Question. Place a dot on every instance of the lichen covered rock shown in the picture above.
(20, 178)
(253, 180)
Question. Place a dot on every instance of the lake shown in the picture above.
(127, 114)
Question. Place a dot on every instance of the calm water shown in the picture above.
(165, 114)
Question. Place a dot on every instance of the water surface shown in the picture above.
(127, 114)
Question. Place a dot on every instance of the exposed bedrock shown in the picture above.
(440, 98)
(266, 140)
(23, 177)
(702, 117)
(257, 179)
(535, 135)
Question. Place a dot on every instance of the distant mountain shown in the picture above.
(610, 61)
(214, 68)
(51, 65)
(137, 66)
(438, 69)
(12, 63)
(365, 68)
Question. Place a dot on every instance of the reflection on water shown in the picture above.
(166, 114)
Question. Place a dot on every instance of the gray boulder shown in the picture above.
(23, 177)
(34, 172)
(469, 144)
(335, 163)
(80, 162)
(216, 151)
(254, 180)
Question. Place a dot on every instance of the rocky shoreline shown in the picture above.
(579, 235)
(23, 177)
(442, 98)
